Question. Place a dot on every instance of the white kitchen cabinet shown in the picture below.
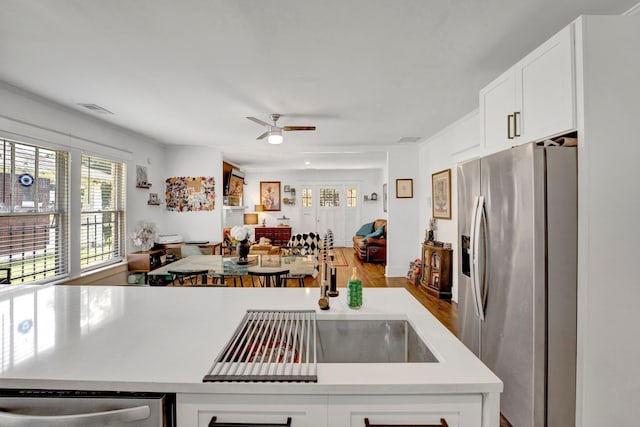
(198, 409)
(406, 410)
(534, 99)
(330, 411)
(545, 82)
(497, 106)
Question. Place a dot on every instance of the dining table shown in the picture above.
(271, 268)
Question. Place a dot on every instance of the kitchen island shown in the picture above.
(165, 339)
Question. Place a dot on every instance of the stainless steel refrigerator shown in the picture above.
(517, 226)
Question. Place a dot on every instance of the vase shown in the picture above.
(243, 251)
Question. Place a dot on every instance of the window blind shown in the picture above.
(33, 212)
(102, 187)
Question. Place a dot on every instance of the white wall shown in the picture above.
(194, 162)
(402, 216)
(608, 211)
(458, 142)
(369, 181)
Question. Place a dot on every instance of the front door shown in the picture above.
(330, 207)
(331, 212)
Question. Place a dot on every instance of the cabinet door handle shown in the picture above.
(443, 423)
(515, 123)
(509, 117)
(213, 423)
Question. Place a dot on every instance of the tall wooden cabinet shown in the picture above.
(436, 271)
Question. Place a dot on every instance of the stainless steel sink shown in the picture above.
(287, 345)
(370, 341)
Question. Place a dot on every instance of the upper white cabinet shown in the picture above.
(545, 80)
(534, 99)
(497, 106)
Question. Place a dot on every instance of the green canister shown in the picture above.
(354, 291)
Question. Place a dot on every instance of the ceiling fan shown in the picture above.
(274, 132)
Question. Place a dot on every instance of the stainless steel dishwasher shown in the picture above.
(53, 408)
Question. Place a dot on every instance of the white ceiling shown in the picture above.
(365, 72)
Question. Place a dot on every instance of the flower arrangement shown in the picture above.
(240, 233)
(145, 235)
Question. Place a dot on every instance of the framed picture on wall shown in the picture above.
(441, 194)
(142, 181)
(404, 188)
(270, 195)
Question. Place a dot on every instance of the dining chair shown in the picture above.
(192, 276)
(307, 244)
(298, 277)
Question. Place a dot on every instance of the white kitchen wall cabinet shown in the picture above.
(545, 82)
(534, 99)
(497, 106)
(199, 409)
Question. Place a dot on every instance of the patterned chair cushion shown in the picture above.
(307, 244)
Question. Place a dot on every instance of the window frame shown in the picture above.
(41, 255)
(351, 196)
(90, 257)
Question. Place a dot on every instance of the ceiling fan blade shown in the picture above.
(260, 122)
(264, 135)
(288, 128)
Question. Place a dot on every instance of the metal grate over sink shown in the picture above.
(270, 346)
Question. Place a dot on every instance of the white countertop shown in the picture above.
(135, 338)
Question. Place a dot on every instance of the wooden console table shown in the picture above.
(146, 261)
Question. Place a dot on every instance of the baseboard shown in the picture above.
(396, 271)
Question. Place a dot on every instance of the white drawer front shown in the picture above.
(305, 411)
(457, 410)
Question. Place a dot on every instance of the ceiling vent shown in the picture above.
(96, 108)
(408, 139)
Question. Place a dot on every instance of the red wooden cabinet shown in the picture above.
(278, 235)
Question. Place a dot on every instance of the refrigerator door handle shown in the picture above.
(473, 249)
(475, 237)
(483, 289)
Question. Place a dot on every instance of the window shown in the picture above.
(306, 198)
(34, 209)
(329, 197)
(103, 212)
(352, 197)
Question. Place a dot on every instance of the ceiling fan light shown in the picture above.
(275, 137)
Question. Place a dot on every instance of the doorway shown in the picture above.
(330, 206)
